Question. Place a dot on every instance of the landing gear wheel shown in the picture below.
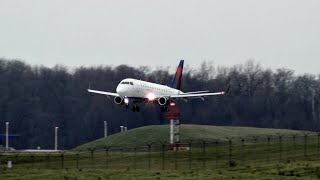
(136, 108)
(164, 109)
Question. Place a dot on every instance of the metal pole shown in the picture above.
(56, 138)
(171, 131)
(105, 129)
(177, 131)
(7, 135)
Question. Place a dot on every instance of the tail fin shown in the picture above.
(176, 82)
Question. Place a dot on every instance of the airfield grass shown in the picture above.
(254, 161)
(160, 133)
(307, 170)
(281, 157)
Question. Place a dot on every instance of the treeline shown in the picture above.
(35, 99)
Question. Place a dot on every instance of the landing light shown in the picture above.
(151, 96)
(172, 104)
(126, 100)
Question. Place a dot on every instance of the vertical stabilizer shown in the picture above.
(176, 82)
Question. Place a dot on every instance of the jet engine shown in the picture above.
(118, 100)
(162, 101)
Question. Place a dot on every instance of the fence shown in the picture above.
(228, 152)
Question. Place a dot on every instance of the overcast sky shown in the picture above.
(276, 33)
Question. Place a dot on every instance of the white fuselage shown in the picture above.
(142, 89)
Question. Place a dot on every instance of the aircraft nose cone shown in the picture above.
(119, 89)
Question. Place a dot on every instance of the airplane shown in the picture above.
(134, 91)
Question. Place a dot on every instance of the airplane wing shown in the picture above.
(103, 92)
(197, 95)
(200, 95)
(195, 92)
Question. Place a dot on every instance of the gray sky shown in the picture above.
(276, 33)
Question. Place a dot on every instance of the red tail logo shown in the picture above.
(176, 82)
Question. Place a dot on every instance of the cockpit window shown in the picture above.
(129, 83)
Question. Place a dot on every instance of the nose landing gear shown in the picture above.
(136, 108)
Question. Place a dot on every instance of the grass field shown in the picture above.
(215, 153)
(160, 133)
(301, 170)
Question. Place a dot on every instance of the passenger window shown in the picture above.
(131, 83)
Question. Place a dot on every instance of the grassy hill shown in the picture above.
(160, 133)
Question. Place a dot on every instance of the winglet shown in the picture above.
(228, 89)
(224, 92)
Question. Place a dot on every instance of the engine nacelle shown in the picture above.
(162, 101)
(118, 100)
